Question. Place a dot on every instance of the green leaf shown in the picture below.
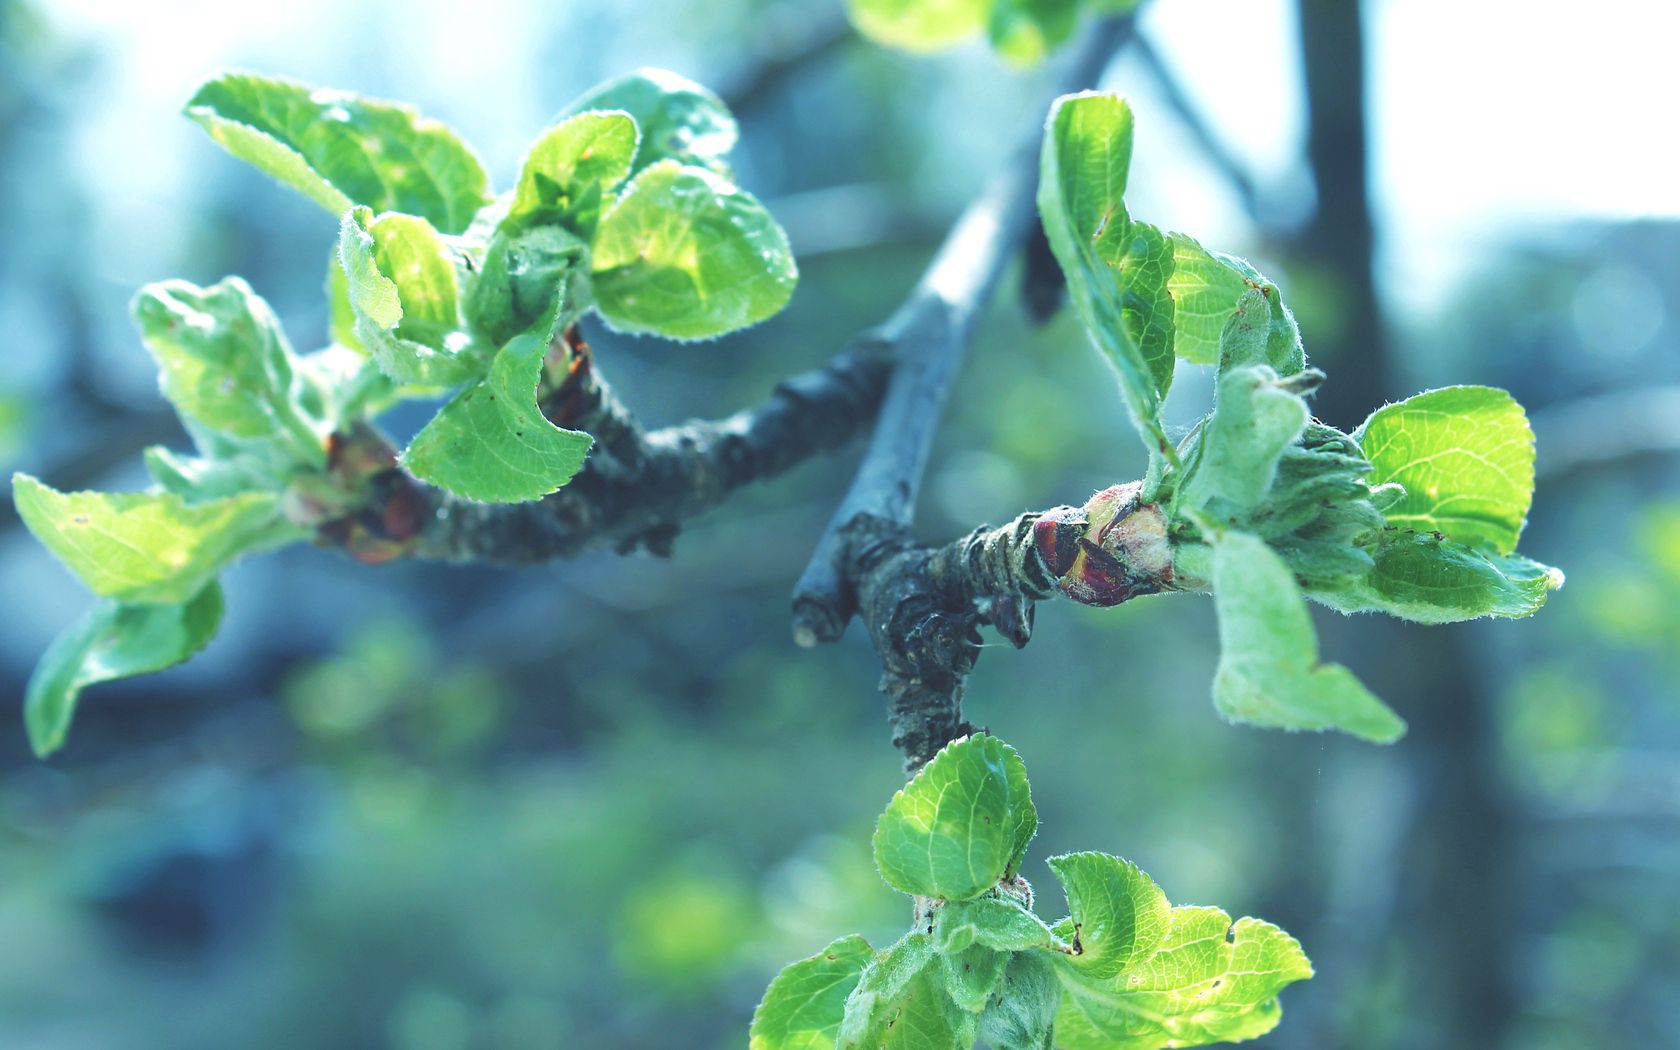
(1418, 577)
(1116, 270)
(1000, 923)
(491, 443)
(1024, 32)
(1269, 672)
(803, 1006)
(571, 169)
(113, 640)
(953, 831)
(687, 255)
(905, 1009)
(884, 982)
(1211, 981)
(340, 149)
(972, 974)
(1465, 455)
(1261, 331)
(1119, 915)
(401, 284)
(1021, 1013)
(147, 547)
(521, 280)
(1255, 419)
(918, 25)
(224, 361)
(1205, 287)
(679, 120)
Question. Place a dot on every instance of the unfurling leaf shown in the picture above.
(1205, 287)
(679, 119)
(491, 443)
(688, 255)
(1118, 914)
(113, 640)
(1212, 981)
(146, 546)
(1465, 455)
(340, 149)
(1418, 577)
(224, 362)
(1021, 1014)
(804, 1005)
(1255, 419)
(570, 171)
(1269, 673)
(958, 826)
(1000, 923)
(400, 283)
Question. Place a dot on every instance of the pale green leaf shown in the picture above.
(224, 361)
(1212, 981)
(803, 1006)
(1118, 913)
(144, 546)
(994, 922)
(688, 255)
(1261, 331)
(571, 169)
(972, 975)
(1416, 576)
(953, 831)
(113, 640)
(491, 443)
(1255, 418)
(1082, 181)
(920, 1017)
(884, 982)
(1465, 455)
(919, 25)
(1021, 1013)
(400, 282)
(1205, 287)
(1024, 32)
(521, 279)
(1269, 673)
(679, 120)
(341, 149)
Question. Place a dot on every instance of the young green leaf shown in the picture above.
(1119, 915)
(1022, 1011)
(340, 149)
(401, 285)
(954, 830)
(571, 169)
(1087, 151)
(1417, 577)
(1211, 981)
(804, 1005)
(679, 119)
(224, 361)
(113, 640)
(918, 25)
(144, 546)
(972, 975)
(1465, 455)
(884, 982)
(1269, 672)
(1024, 32)
(919, 1017)
(687, 255)
(491, 443)
(994, 922)
(1261, 331)
(1255, 418)
(1205, 287)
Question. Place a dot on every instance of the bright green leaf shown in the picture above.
(113, 640)
(143, 546)
(341, 149)
(1465, 455)
(1086, 154)
(569, 171)
(491, 442)
(884, 982)
(224, 361)
(953, 831)
(401, 284)
(919, 1015)
(1211, 981)
(687, 255)
(679, 119)
(1205, 287)
(1119, 915)
(1269, 672)
(918, 25)
(803, 1006)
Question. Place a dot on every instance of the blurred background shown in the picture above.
(599, 804)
